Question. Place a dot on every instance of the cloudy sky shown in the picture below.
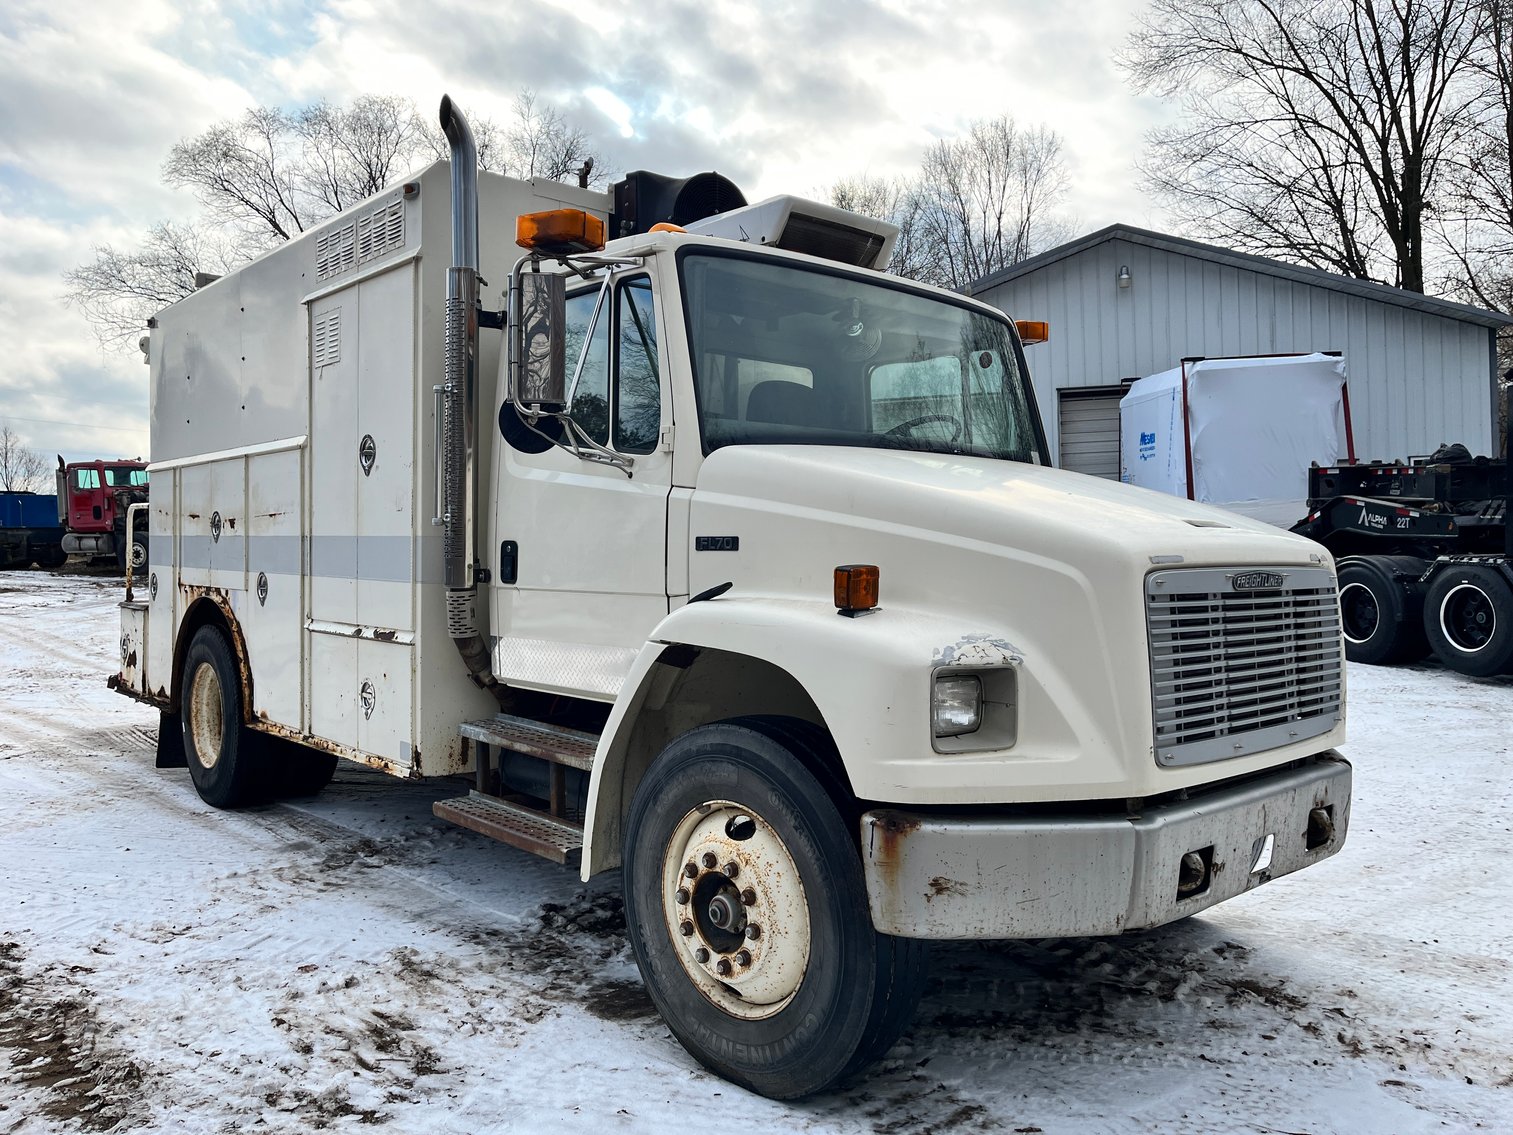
(783, 97)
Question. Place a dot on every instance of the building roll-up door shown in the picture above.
(1090, 430)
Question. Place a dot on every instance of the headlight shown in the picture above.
(957, 706)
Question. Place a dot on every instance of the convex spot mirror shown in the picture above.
(541, 380)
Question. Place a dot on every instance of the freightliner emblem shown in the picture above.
(1257, 581)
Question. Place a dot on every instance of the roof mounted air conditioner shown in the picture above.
(797, 225)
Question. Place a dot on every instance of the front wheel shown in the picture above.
(1468, 616)
(748, 915)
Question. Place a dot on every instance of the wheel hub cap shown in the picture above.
(205, 717)
(735, 910)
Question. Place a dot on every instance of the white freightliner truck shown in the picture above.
(749, 575)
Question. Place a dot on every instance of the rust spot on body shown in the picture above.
(940, 885)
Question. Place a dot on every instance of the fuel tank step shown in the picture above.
(514, 824)
(553, 743)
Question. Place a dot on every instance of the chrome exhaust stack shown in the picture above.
(458, 406)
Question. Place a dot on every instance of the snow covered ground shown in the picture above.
(350, 962)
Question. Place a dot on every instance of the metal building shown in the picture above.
(1125, 302)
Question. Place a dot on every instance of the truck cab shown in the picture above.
(93, 498)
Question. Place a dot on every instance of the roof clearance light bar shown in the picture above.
(1032, 331)
(559, 232)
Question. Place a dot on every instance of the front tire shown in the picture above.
(227, 761)
(1468, 616)
(747, 911)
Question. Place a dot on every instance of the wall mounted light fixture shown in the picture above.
(1123, 277)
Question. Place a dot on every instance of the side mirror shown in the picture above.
(540, 363)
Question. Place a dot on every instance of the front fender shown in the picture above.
(868, 677)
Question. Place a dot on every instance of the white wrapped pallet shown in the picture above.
(1251, 427)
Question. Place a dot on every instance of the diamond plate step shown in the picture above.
(553, 743)
(513, 824)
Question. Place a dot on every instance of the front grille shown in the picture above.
(1236, 671)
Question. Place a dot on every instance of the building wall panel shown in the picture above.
(1417, 378)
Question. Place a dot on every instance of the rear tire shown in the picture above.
(1380, 622)
(815, 993)
(228, 762)
(138, 552)
(1468, 617)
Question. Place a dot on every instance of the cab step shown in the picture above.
(514, 824)
(552, 743)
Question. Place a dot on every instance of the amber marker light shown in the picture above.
(856, 588)
(664, 227)
(1032, 331)
(559, 232)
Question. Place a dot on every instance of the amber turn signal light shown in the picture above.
(559, 232)
(856, 588)
(1032, 331)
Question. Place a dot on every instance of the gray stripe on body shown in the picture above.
(381, 559)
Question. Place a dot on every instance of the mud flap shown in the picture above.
(170, 742)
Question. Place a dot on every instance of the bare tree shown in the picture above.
(981, 202)
(22, 469)
(1478, 221)
(272, 174)
(1319, 131)
(987, 198)
(541, 143)
(897, 201)
(349, 153)
(248, 175)
(119, 289)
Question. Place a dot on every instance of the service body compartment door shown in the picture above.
(590, 541)
(362, 569)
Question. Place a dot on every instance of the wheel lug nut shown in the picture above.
(690, 869)
(682, 896)
(731, 869)
(748, 897)
(743, 957)
(686, 929)
(701, 955)
(753, 932)
(723, 967)
(710, 859)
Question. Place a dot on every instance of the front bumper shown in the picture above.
(963, 876)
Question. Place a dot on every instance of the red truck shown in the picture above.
(93, 497)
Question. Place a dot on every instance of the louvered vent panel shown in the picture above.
(325, 348)
(373, 234)
(1241, 660)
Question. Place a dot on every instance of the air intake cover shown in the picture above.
(807, 226)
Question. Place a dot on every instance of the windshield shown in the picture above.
(793, 355)
(120, 476)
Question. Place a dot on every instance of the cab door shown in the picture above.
(580, 556)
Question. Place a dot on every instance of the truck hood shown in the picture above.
(1024, 510)
(981, 563)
